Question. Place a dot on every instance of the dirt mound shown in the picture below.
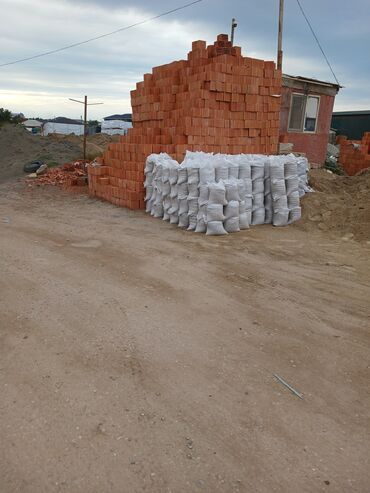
(19, 146)
(95, 143)
(102, 140)
(339, 205)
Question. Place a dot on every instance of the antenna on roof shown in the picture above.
(233, 26)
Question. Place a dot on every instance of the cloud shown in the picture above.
(108, 69)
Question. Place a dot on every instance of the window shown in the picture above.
(312, 107)
(303, 113)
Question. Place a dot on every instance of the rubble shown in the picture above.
(42, 169)
(68, 175)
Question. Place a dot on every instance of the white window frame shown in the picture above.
(302, 130)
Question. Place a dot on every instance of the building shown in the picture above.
(116, 124)
(352, 124)
(62, 125)
(33, 126)
(126, 117)
(306, 113)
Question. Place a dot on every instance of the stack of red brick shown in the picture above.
(354, 155)
(215, 101)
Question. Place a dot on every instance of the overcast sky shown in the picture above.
(107, 69)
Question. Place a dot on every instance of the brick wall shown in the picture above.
(215, 101)
(312, 144)
(354, 154)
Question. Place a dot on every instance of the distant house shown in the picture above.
(305, 117)
(62, 125)
(33, 126)
(66, 121)
(116, 124)
(352, 124)
(126, 117)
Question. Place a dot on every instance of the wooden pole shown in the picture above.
(85, 126)
(279, 64)
(84, 102)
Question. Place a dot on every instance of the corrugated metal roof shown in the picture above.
(350, 113)
(124, 117)
(63, 119)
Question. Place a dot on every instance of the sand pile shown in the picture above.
(339, 205)
(18, 146)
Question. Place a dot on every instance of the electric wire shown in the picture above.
(57, 50)
(317, 41)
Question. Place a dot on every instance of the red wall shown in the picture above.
(313, 145)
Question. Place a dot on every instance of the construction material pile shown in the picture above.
(216, 101)
(220, 194)
(68, 175)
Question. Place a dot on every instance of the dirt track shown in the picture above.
(137, 357)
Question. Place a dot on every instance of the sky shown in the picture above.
(107, 69)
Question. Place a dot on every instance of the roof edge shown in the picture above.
(354, 112)
(313, 81)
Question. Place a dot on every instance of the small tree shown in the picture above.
(5, 115)
(17, 118)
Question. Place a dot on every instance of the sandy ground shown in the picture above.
(136, 357)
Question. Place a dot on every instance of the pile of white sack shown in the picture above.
(218, 194)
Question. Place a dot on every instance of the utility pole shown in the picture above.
(84, 102)
(233, 26)
(85, 126)
(279, 64)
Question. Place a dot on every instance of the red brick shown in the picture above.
(217, 101)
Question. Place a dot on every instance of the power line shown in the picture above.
(101, 35)
(318, 42)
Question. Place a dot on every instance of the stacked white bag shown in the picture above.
(245, 175)
(220, 194)
(267, 193)
(258, 189)
(292, 190)
(303, 168)
(280, 211)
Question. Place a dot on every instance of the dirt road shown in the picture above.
(136, 357)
